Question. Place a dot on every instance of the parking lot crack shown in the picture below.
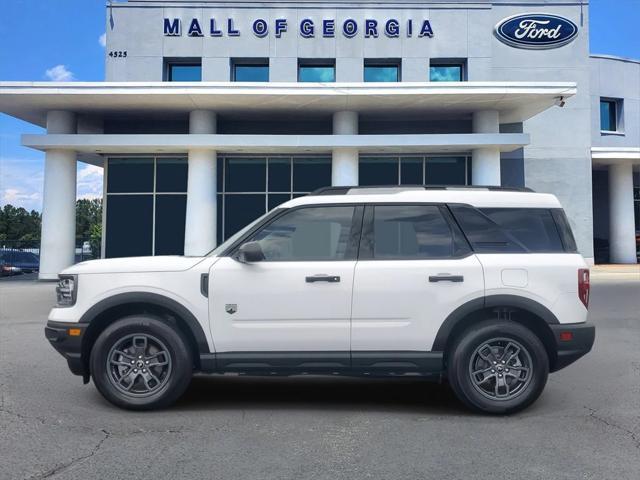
(634, 437)
(58, 469)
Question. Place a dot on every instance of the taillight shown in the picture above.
(583, 286)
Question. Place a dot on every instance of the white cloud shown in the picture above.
(13, 196)
(102, 40)
(89, 181)
(59, 73)
(21, 182)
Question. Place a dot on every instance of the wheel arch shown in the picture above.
(105, 312)
(529, 313)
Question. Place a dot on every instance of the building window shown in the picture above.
(183, 70)
(381, 70)
(250, 186)
(317, 71)
(447, 70)
(610, 115)
(250, 70)
(414, 170)
(146, 206)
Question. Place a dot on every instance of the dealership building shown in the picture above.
(213, 112)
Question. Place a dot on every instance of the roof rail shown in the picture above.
(400, 188)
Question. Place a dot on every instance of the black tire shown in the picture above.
(468, 354)
(164, 343)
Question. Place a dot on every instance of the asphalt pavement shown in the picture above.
(586, 425)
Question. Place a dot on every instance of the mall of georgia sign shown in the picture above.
(536, 31)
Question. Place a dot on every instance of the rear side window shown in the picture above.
(532, 227)
(564, 229)
(485, 235)
(408, 232)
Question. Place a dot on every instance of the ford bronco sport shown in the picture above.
(483, 287)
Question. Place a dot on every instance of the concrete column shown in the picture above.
(344, 165)
(622, 233)
(201, 219)
(485, 162)
(58, 231)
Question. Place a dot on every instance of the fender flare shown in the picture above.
(151, 299)
(514, 301)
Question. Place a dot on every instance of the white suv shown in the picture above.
(482, 287)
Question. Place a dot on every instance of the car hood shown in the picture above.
(135, 265)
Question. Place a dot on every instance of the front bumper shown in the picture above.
(573, 341)
(69, 346)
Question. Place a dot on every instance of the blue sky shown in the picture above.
(61, 40)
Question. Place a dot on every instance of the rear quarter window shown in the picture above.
(534, 228)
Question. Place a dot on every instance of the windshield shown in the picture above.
(229, 241)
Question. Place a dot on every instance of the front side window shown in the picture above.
(380, 71)
(184, 71)
(446, 72)
(317, 71)
(250, 71)
(410, 232)
(608, 115)
(308, 234)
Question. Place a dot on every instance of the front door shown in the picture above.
(295, 305)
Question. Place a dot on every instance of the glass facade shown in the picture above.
(250, 72)
(380, 72)
(414, 170)
(446, 72)
(146, 206)
(250, 186)
(184, 72)
(317, 72)
(608, 116)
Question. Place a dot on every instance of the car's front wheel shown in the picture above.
(141, 363)
(498, 367)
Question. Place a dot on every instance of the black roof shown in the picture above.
(345, 189)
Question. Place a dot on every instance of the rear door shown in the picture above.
(414, 269)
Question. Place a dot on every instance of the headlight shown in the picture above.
(66, 290)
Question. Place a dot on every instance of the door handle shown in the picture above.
(323, 278)
(446, 278)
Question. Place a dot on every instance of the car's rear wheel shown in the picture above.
(141, 363)
(498, 367)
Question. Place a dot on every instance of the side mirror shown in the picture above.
(249, 252)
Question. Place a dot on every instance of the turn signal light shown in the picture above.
(74, 332)
(584, 286)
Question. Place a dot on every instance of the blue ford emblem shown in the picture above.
(536, 31)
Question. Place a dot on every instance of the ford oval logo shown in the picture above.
(536, 31)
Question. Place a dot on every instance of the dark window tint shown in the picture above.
(315, 233)
(246, 175)
(279, 175)
(446, 171)
(532, 227)
(250, 73)
(170, 218)
(411, 171)
(564, 229)
(381, 73)
(129, 175)
(311, 173)
(277, 199)
(240, 210)
(184, 72)
(171, 175)
(608, 115)
(483, 233)
(410, 232)
(129, 225)
(378, 171)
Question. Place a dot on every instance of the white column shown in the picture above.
(58, 231)
(485, 162)
(344, 164)
(201, 222)
(622, 234)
